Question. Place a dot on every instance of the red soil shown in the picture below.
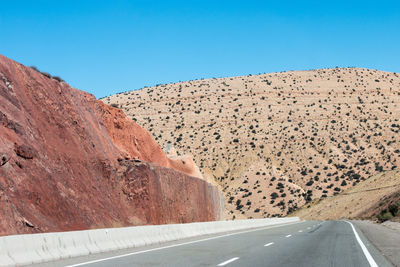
(69, 162)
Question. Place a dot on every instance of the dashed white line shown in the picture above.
(364, 249)
(300, 231)
(269, 244)
(288, 236)
(308, 228)
(228, 261)
(180, 244)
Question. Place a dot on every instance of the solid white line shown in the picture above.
(288, 235)
(180, 244)
(228, 261)
(269, 244)
(371, 260)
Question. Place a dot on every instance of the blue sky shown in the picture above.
(105, 47)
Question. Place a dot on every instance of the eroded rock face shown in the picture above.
(156, 203)
(69, 162)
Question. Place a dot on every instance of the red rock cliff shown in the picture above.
(70, 162)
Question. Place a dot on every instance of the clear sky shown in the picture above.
(105, 47)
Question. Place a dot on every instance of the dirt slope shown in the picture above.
(363, 201)
(68, 162)
(276, 141)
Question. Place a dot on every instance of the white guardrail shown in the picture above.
(37, 248)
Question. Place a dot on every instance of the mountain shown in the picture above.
(274, 142)
(70, 162)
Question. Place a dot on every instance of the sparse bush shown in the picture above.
(57, 78)
(274, 195)
(48, 75)
(394, 208)
(34, 68)
(384, 216)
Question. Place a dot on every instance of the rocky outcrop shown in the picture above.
(69, 162)
(136, 143)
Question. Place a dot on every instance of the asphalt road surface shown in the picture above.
(307, 243)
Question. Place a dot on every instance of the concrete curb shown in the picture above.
(37, 248)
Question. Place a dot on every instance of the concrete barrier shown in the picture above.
(37, 248)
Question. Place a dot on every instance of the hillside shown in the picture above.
(366, 200)
(274, 142)
(70, 162)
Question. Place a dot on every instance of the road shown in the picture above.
(307, 243)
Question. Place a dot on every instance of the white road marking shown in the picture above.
(181, 244)
(288, 236)
(308, 228)
(300, 231)
(228, 261)
(269, 244)
(371, 260)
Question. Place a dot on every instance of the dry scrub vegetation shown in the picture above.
(274, 142)
(375, 198)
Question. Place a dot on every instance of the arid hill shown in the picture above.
(70, 162)
(274, 142)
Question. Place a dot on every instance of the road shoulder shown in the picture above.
(385, 239)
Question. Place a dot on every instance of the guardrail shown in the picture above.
(37, 248)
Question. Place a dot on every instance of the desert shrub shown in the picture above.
(34, 68)
(309, 183)
(48, 75)
(274, 195)
(58, 78)
(384, 216)
(378, 167)
(238, 205)
(394, 208)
